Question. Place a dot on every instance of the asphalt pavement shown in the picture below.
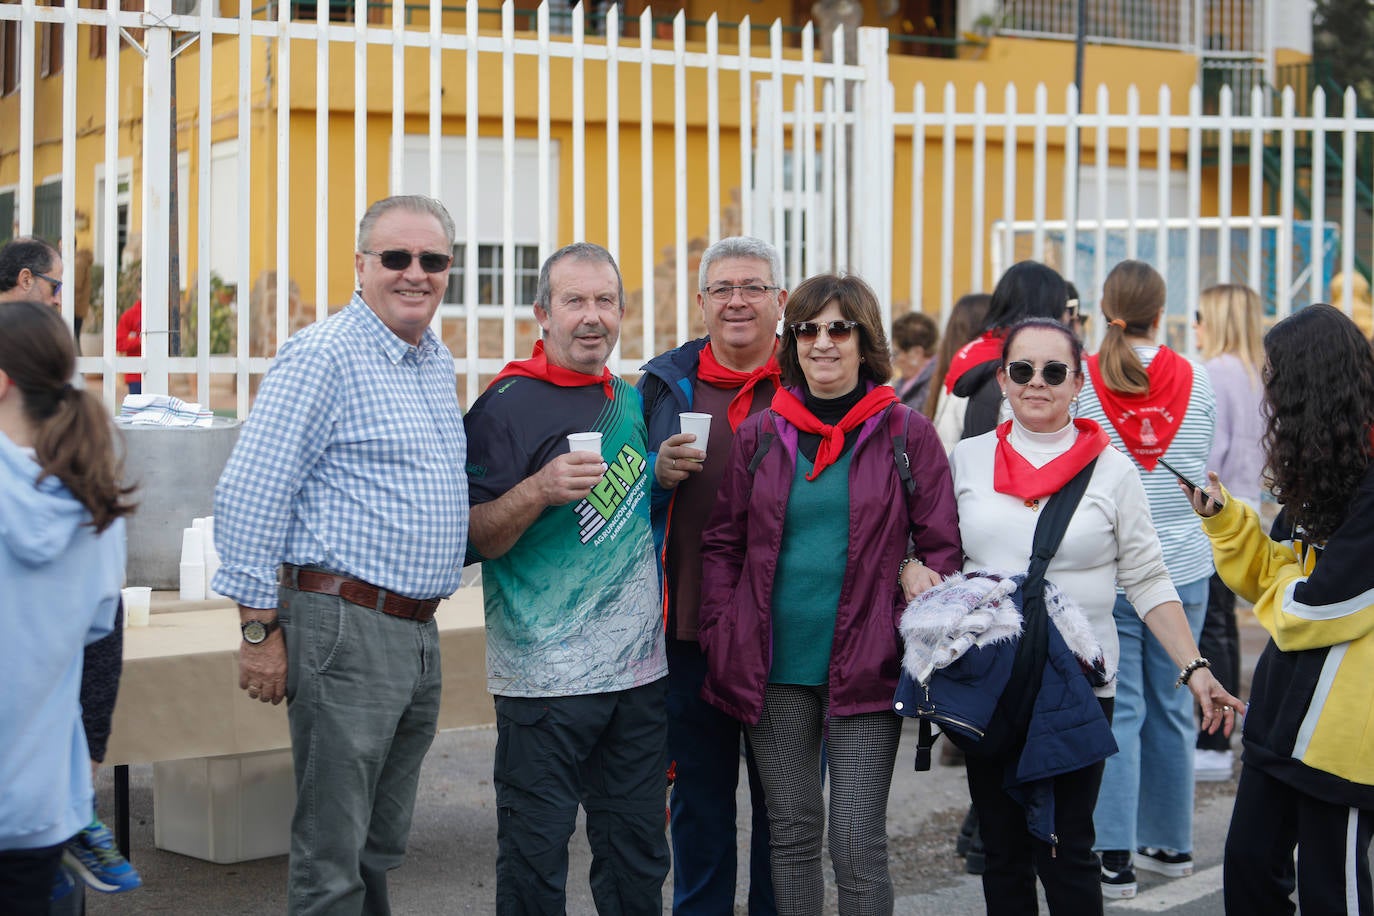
(450, 865)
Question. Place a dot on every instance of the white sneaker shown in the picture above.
(1211, 766)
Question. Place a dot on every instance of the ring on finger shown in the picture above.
(674, 461)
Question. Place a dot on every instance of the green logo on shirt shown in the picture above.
(610, 494)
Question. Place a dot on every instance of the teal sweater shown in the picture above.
(810, 573)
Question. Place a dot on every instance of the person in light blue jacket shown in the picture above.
(62, 563)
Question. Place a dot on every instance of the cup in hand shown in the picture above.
(699, 425)
(137, 603)
(585, 442)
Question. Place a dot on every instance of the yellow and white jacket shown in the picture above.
(1311, 717)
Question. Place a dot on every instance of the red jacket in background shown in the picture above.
(129, 336)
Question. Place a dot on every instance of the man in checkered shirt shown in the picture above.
(341, 520)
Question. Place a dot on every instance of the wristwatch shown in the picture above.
(256, 631)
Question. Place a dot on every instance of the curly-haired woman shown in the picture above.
(1307, 774)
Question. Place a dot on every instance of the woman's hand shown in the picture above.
(1219, 708)
(916, 578)
(1209, 502)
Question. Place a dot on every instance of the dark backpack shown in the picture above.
(1005, 731)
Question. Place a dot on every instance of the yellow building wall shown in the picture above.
(1023, 63)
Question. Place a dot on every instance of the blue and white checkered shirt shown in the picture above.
(352, 459)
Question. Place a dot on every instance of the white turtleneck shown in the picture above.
(1041, 448)
(1110, 539)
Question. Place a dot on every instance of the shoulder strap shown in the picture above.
(1053, 522)
(766, 437)
(899, 455)
(1017, 702)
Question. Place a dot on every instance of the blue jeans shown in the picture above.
(362, 690)
(606, 752)
(1147, 787)
(704, 747)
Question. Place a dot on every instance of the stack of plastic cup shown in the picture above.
(193, 564)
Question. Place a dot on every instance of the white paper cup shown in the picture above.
(192, 582)
(138, 600)
(699, 425)
(585, 442)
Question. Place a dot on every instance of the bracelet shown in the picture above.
(1187, 672)
(901, 567)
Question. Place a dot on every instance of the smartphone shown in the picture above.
(1206, 497)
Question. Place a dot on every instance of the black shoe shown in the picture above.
(967, 831)
(1118, 877)
(976, 862)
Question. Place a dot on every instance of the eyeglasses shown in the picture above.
(838, 330)
(1197, 318)
(1053, 373)
(750, 293)
(56, 284)
(431, 262)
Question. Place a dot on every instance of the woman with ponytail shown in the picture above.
(1155, 404)
(62, 563)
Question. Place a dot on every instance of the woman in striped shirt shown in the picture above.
(1154, 404)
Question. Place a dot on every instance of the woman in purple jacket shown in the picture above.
(836, 508)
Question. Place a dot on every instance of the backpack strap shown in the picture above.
(765, 443)
(899, 455)
(1032, 650)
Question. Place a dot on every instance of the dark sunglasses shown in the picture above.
(56, 284)
(1021, 372)
(837, 330)
(431, 262)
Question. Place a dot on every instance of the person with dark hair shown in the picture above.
(964, 325)
(1154, 404)
(1001, 480)
(730, 374)
(1028, 289)
(1307, 774)
(575, 655)
(819, 537)
(341, 521)
(61, 557)
(914, 336)
(30, 270)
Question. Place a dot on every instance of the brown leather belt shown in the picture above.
(358, 592)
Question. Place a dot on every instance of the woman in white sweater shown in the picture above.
(1000, 480)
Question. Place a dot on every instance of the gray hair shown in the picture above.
(742, 246)
(578, 251)
(413, 203)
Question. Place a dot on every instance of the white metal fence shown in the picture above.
(828, 164)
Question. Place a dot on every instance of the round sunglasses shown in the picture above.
(837, 330)
(1053, 373)
(431, 262)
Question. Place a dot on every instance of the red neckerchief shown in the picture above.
(974, 353)
(537, 366)
(710, 371)
(791, 409)
(1014, 475)
(1148, 422)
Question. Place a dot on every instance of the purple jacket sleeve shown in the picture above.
(932, 509)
